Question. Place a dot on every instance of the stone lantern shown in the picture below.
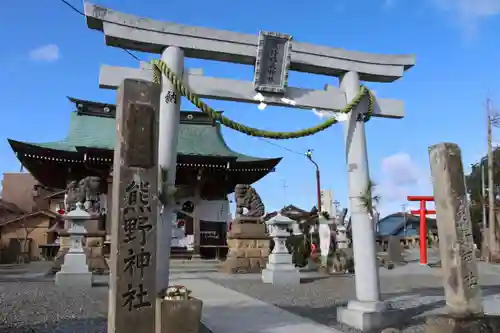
(280, 268)
(75, 271)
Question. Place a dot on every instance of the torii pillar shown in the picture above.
(368, 311)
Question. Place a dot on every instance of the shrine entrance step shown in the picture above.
(180, 253)
(194, 265)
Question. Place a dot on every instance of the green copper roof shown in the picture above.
(195, 138)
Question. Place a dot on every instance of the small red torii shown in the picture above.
(422, 212)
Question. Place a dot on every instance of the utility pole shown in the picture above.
(318, 179)
(492, 120)
(483, 194)
(403, 209)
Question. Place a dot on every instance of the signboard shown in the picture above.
(274, 52)
(212, 233)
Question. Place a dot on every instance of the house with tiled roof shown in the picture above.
(26, 219)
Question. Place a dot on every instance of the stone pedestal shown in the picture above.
(367, 315)
(94, 243)
(75, 272)
(447, 323)
(179, 316)
(280, 268)
(64, 245)
(248, 247)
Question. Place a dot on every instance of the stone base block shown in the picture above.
(73, 280)
(178, 316)
(247, 220)
(247, 230)
(246, 256)
(367, 316)
(243, 265)
(59, 260)
(281, 277)
(494, 258)
(252, 243)
(448, 323)
(96, 261)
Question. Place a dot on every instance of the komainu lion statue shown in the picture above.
(343, 261)
(86, 190)
(247, 197)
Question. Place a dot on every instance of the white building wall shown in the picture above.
(327, 202)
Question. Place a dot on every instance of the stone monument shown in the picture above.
(247, 240)
(75, 271)
(458, 261)
(394, 255)
(280, 269)
(132, 292)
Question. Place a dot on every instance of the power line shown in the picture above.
(76, 10)
(282, 147)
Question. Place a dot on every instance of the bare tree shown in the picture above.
(27, 232)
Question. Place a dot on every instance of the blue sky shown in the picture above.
(49, 53)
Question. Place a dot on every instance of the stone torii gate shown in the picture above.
(174, 42)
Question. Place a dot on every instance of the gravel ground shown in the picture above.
(413, 291)
(411, 297)
(41, 307)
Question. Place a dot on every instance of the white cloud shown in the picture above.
(45, 53)
(400, 177)
(323, 114)
(400, 170)
(468, 13)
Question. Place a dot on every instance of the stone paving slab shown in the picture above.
(415, 295)
(227, 311)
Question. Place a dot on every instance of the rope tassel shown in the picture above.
(160, 67)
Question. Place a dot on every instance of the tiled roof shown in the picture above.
(399, 220)
(198, 139)
(10, 207)
(30, 215)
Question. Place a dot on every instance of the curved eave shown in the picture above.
(251, 172)
(37, 159)
(263, 165)
(65, 154)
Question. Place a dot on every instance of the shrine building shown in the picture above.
(207, 169)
